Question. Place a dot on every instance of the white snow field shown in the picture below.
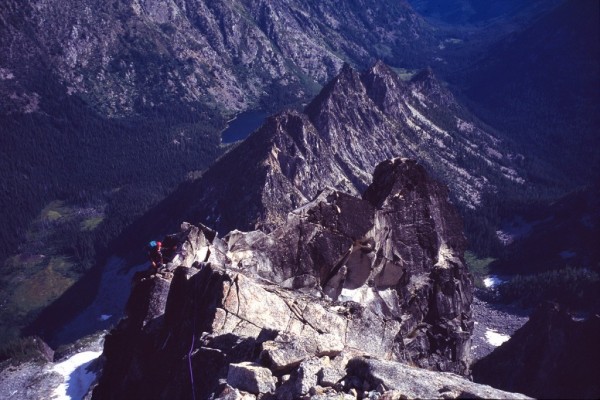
(77, 378)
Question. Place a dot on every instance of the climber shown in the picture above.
(155, 255)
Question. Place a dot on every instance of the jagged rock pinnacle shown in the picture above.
(381, 276)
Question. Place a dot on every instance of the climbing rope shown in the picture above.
(190, 360)
(195, 307)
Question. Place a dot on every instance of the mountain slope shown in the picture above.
(357, 121)
(541, 86)
(110, 104)
(563, 233)
(114, 103)
(124, 57)
(474, 12)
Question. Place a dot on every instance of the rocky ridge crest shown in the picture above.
(295, 312)
(356, 122)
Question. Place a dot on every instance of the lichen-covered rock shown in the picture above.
(330, 376)
(307, 375)
(287, 351)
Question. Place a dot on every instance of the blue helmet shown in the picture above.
(153, 243)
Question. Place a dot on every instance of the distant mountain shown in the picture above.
(476, 12)
(127, 56)
(541, 86)
(107, 106)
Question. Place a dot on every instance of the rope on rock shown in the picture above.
(190, 363)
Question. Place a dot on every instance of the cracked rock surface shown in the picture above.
(380, 277)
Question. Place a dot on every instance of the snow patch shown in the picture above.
(419, 96)
(112, 295)
(512, 175)
(444, 255)
(362, 295)
(495, 338)
(492, 281)
(494, 153)
(77, 379)
(505, 238)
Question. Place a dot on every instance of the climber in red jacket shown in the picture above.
(155, 255)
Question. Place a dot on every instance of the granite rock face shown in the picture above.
(381, 276)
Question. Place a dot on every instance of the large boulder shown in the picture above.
(417, 383)
(251, 377)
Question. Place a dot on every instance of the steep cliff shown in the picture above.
(381, 276)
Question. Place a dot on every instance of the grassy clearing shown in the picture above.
(23, 262)
(41, 289)
(479, 267)
(54, 211)
(45, 266)
(91, 224)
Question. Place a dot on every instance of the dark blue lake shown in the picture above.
(242, 125)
